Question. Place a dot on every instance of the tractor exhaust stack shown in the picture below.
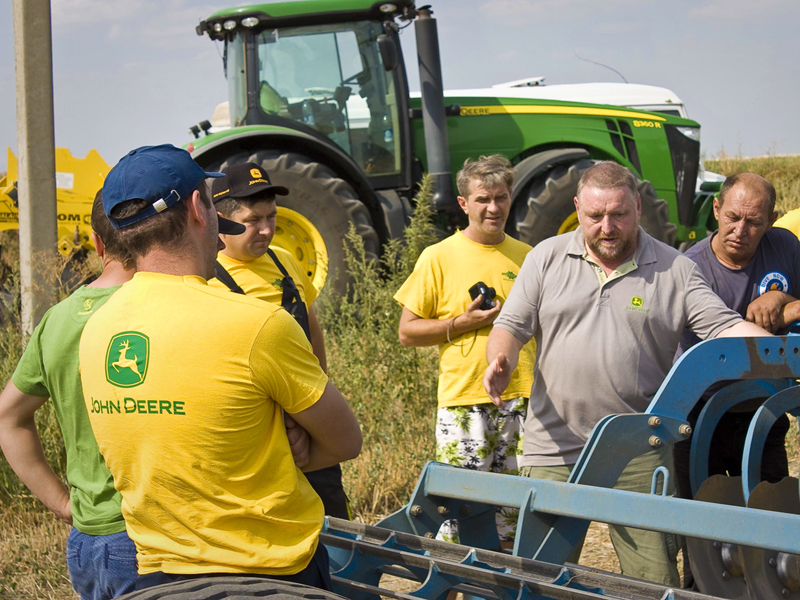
(433, 112)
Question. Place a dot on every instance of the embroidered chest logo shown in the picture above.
(774, 280)
(88, 304)
(278, 283)
(127, 358)
(510, 276)
(637, 305)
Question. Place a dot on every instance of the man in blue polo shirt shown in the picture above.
(755, 269)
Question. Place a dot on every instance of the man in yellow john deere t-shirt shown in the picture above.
(185, 386)
(790, 221)
(442, 305)
(249, 266)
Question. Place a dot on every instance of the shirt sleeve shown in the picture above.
(793, 250)
(520, 314)
(303, 281)
(706, 313)
(284, 366)
(419, 292)
(29, 376)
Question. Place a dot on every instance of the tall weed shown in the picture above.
(61, 273)
(782, 171)
(391, 389)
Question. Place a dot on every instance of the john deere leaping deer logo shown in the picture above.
(126, 359)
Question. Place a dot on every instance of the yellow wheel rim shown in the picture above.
(298, 236)
(569, 224)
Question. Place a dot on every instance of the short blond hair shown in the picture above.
(491, 171)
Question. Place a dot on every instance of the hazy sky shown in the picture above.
(132, 72)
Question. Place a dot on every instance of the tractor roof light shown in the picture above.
(250, 21)
(218, 27)
(693, 133)
(388, 7)
(229, 25)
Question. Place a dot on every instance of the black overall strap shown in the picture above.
(291, 300)
(225, 277)
(278, 264)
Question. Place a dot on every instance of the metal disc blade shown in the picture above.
(716, 566)
(773, 575)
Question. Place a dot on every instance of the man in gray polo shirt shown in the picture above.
(607, 305)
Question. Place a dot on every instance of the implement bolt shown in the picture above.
(717, 545)
(443, 510)
(416, 510)
(685, 430)
(465, 510)
(429, 535)
(785, 593)
(773, 563)
(654, 421)
(655, 441)
(726, 576)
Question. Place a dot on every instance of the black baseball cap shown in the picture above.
(243, 180)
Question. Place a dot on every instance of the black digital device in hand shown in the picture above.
(488, 295)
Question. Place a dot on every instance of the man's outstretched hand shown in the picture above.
(496, 379)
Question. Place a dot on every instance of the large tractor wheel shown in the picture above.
(234, 586)
(549, 210)
(316, 215)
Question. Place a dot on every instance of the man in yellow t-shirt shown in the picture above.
(185, 386)
(248, 265)
(438, 310)
(790, 221)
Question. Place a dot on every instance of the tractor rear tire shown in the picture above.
(234, 586)
(318, 194)
(549, 205)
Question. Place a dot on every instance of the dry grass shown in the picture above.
(782, 171)
(392, 389)
(32, 547)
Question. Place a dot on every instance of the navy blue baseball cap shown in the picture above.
(161, 175)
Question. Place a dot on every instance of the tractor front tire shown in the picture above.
(234, 586)
(326, 200)
(548, 209)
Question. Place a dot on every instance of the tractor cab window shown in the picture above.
(331, 78)
(235, 73)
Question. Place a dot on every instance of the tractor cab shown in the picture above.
(338, 75)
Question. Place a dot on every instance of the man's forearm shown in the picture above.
(416, 331)
(744, 329)
(426, 332)
(791, 313)
(501, 340)
(23, 451)
(333, 428)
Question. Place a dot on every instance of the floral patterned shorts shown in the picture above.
(483, 437)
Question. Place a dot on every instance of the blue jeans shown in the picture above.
(101, 566)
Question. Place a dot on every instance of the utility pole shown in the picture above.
(33, 65)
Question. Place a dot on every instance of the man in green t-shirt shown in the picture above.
(101, 558)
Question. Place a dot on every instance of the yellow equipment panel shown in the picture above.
(77, 182)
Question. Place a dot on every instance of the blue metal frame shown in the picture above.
(360, 555)
(554, 516)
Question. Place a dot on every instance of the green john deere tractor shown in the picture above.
(318, 95)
